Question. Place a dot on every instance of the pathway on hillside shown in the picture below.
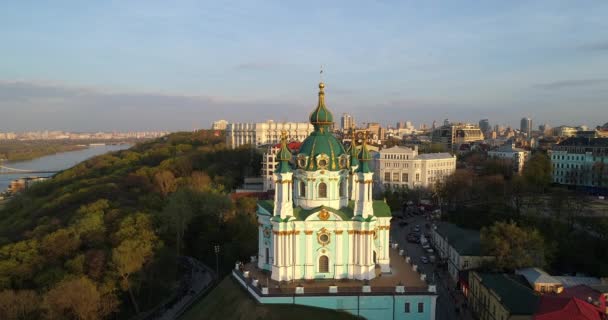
(194, 284)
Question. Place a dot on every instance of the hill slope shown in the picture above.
(230, 301)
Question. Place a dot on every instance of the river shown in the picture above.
(54, 162)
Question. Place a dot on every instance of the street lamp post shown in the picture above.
(217, 261)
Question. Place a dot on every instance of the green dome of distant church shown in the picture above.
(321, 150)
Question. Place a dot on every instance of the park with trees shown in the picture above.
(103, 239)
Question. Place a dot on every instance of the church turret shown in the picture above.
(283, 174)
(353, 165)
(363, 199)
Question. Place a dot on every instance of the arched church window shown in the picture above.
(322, 190)
(302, 189)
(342, 188)
(323, 264)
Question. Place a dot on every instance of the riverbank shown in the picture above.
(55, 162)
(17, 150)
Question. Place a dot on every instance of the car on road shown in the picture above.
(426, 245)
(430, 250)
(424, 260)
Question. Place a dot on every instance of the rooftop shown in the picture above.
(557, 308)
(536, 275)
(432, 156)
(401, 274)
(585, 142)
(465, 241)
(381, 209)
(516, 297)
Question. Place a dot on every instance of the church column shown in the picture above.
(276, 261)
(351, 253)
(261, 246)
(309, 269)
(339, 258)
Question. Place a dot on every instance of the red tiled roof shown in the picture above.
(564, 308)
(293, 145)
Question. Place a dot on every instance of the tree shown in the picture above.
(137, 244)
(176, 216)
(75, 297)
(19, 305)
(165, 182)
(537, 171)
(59, 244)
(513, 247)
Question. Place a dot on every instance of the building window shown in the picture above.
(387, 176)
(396, 176)
(342, 188)
(267, 256)
(322, 190)
(417, 177)
(407, 307)
(302, 189)
(323, 264)
(404, 177)
(420, 307)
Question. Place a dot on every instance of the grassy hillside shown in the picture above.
(230, 301)
(111, 228)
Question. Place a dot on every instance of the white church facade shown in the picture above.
(323, 222)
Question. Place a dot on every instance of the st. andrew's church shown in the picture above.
(323, 222)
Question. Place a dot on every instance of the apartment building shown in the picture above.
(581, 161)
(269, 132)
(403, 167)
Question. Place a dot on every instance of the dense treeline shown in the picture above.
(16, 150)
(102, 239)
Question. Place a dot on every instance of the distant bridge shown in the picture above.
(7, 170)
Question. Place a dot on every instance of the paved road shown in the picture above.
(447, 296)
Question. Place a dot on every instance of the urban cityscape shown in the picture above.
(385, 160)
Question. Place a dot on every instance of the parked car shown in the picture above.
(424, 260)
(430, 250)
(432, 259)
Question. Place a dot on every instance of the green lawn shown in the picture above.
(230, 301)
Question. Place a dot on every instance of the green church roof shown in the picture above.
(321, 116)
(283, 156)
(364, 158)
(321, 140)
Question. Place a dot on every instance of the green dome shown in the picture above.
(321, 142)
(321, 116)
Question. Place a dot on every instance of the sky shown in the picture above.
(180, 65)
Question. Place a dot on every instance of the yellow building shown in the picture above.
(497, 296)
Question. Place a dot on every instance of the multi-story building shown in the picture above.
(347, 122)
(499, 296)
(526, 126)
(460, 248)
(269, 163)
(581, 162)
(269, 132)
(484, 125)
(376, 131)
(517, 156)
(453, 135)
(219, 125)
(403, 167)
(565, 131)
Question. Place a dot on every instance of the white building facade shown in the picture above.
(261, 133)
(312, 230)
(509, 152)
(403, 167)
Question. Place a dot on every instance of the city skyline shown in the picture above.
(149, 66)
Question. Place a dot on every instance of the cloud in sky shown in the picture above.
(562, 84)
(30, 105)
